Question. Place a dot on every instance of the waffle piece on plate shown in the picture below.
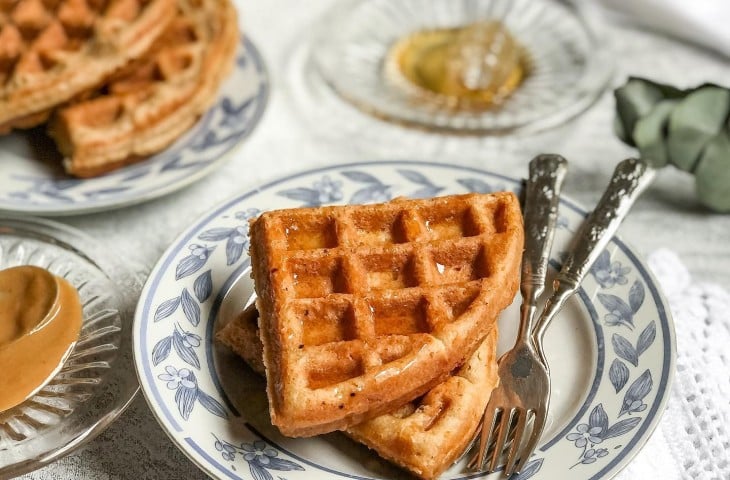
(149, 104)
(424, 436)
(364, 308)
(53, 50)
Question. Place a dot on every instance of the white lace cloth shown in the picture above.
(692, 440)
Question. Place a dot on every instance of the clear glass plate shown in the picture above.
(97, 381)
(569, 63)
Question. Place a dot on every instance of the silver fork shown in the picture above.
(629, 180)
(514, 398)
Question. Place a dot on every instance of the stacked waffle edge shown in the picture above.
(381, 320)
(113, 80)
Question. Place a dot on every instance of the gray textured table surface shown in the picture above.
(293, 136)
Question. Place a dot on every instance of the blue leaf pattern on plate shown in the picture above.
(618, 374)
(185, 385)
(598, 419)
(171, 164)
(416, 177)
(216, 234)
(621, 427)
(161, 350)
(372, 194)
(323, 191)
(259, 455)
(105, 191)
(234, 112)
(281, 464)
(588, 435)
(247, 214)
(57, 196)
(633, 400)
(136, 174)
(309, 196)
(235, 246)
(475, 185)
(636, 296)
(624, 349)
(185, 400)
(185, 349)
(592, 455)
(182, 342)
(646, 338)
(619, 312)
(211, 404)
(361, 177)
(426, 192)
(258, 472)
(193, 262)
(190, 307)
(166, 308)
(529, 470)
(203, 286)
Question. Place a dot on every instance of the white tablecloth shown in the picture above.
(293, 136)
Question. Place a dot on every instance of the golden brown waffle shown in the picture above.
(364, 308)
(424, 436)
(149, 104)
(53, 50)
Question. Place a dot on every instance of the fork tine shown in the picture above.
(501, 439)
(538, 425)
(485, 438)
(514, 449)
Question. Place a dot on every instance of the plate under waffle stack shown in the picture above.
(364, 308)
(51, 51)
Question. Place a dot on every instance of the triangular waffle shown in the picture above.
(364, 308)
(145, 107)
(424, 436)
(53, 50)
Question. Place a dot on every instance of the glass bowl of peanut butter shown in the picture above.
(66, 369)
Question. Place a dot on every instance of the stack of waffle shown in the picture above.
(380, 320)
(115, 80)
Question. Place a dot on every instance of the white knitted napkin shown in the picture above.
(692, 440)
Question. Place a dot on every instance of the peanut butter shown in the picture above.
(40, 321)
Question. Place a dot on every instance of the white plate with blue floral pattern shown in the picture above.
(611, 350)
(32, 180)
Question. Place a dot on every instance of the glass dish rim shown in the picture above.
(100, 257)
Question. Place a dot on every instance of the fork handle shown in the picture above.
(629, 180)
(542, 193)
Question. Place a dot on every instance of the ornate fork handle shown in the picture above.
(629, 180)
(541, 211)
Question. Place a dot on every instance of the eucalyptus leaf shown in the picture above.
(634, 100)
(712, 176)
(694, 122)
(649, 133)
(618, 129)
